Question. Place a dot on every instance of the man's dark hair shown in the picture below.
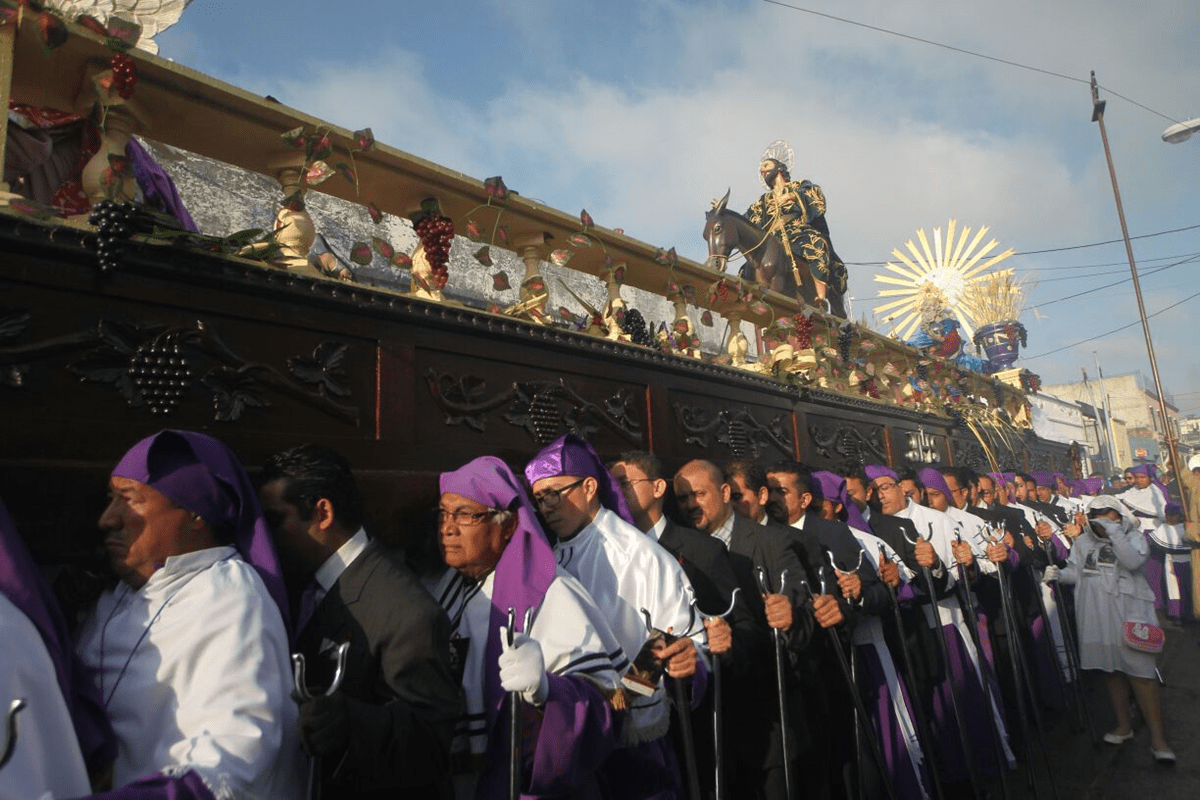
(852, 469)
(646, 462)
(910, 474)
(1024, 476)
(311, 472)
(964, 477)
(803, 475)
(749, 471)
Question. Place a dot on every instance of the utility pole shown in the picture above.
(1098, 116)
(1102, 438)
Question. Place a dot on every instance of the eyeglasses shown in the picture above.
(552, 497)
(465, 519)
(627, 482)
(886, 487)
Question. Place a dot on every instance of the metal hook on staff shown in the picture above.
(339, 672)
(780, 677)
(718, 727)
(10, 730)
(684, 710)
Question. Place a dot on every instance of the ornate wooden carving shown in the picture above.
(844, 441)
(737, 429)
(969, 453)
(544, 409)
(154, 367)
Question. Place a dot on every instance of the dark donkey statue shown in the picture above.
(766, 262)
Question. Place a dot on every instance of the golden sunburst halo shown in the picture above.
(938, 280)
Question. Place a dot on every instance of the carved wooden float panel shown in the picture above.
(265, 359)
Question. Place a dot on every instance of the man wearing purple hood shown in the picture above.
(1147, 500)
(563, 660)
(190, 648)
(625, 573)
(935, 551)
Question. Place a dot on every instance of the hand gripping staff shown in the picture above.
(862, 721)
(684, 710)
(967, 603)
(924, 735)
(514, 716)
(10, 730)
(339, 672)
(780, 680)
(1020, 668)
(718, 728)
(944, 652)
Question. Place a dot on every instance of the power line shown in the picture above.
(1115, 283)
(972, 53)
(1053, 249)
(1114, 330)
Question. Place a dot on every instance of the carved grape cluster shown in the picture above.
(635, 326)
(844, 340)
(115, 222)
(124, 72)
(437, 234)
(161, 371)
(804, 329)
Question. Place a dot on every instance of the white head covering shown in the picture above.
(1108, 501)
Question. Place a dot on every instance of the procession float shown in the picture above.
(413, 317)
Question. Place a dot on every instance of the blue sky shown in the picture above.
(642, 112)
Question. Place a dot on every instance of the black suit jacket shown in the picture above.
(705, 562)
(838, 540)
(402, 697)
(752, 700)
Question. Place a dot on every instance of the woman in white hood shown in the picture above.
(1111, 591)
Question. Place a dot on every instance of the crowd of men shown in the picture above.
(594, 630)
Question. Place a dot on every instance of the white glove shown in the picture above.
(1051, 574)
(523, 669)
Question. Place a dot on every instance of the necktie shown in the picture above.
(308, 603)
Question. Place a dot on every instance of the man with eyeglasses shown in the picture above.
(704, 560)
(625, 573)
(387, 728)
(935, 551)
(706, 564)
(525, 628)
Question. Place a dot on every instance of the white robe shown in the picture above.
(47, 755)
(624, 572)
(1149, 503)
(572, 632)
(194, 670)
(974, 531)
(869, 632)
(939, 529)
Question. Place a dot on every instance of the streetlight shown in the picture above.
(1181, 131)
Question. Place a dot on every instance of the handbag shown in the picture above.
(1144, 637)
